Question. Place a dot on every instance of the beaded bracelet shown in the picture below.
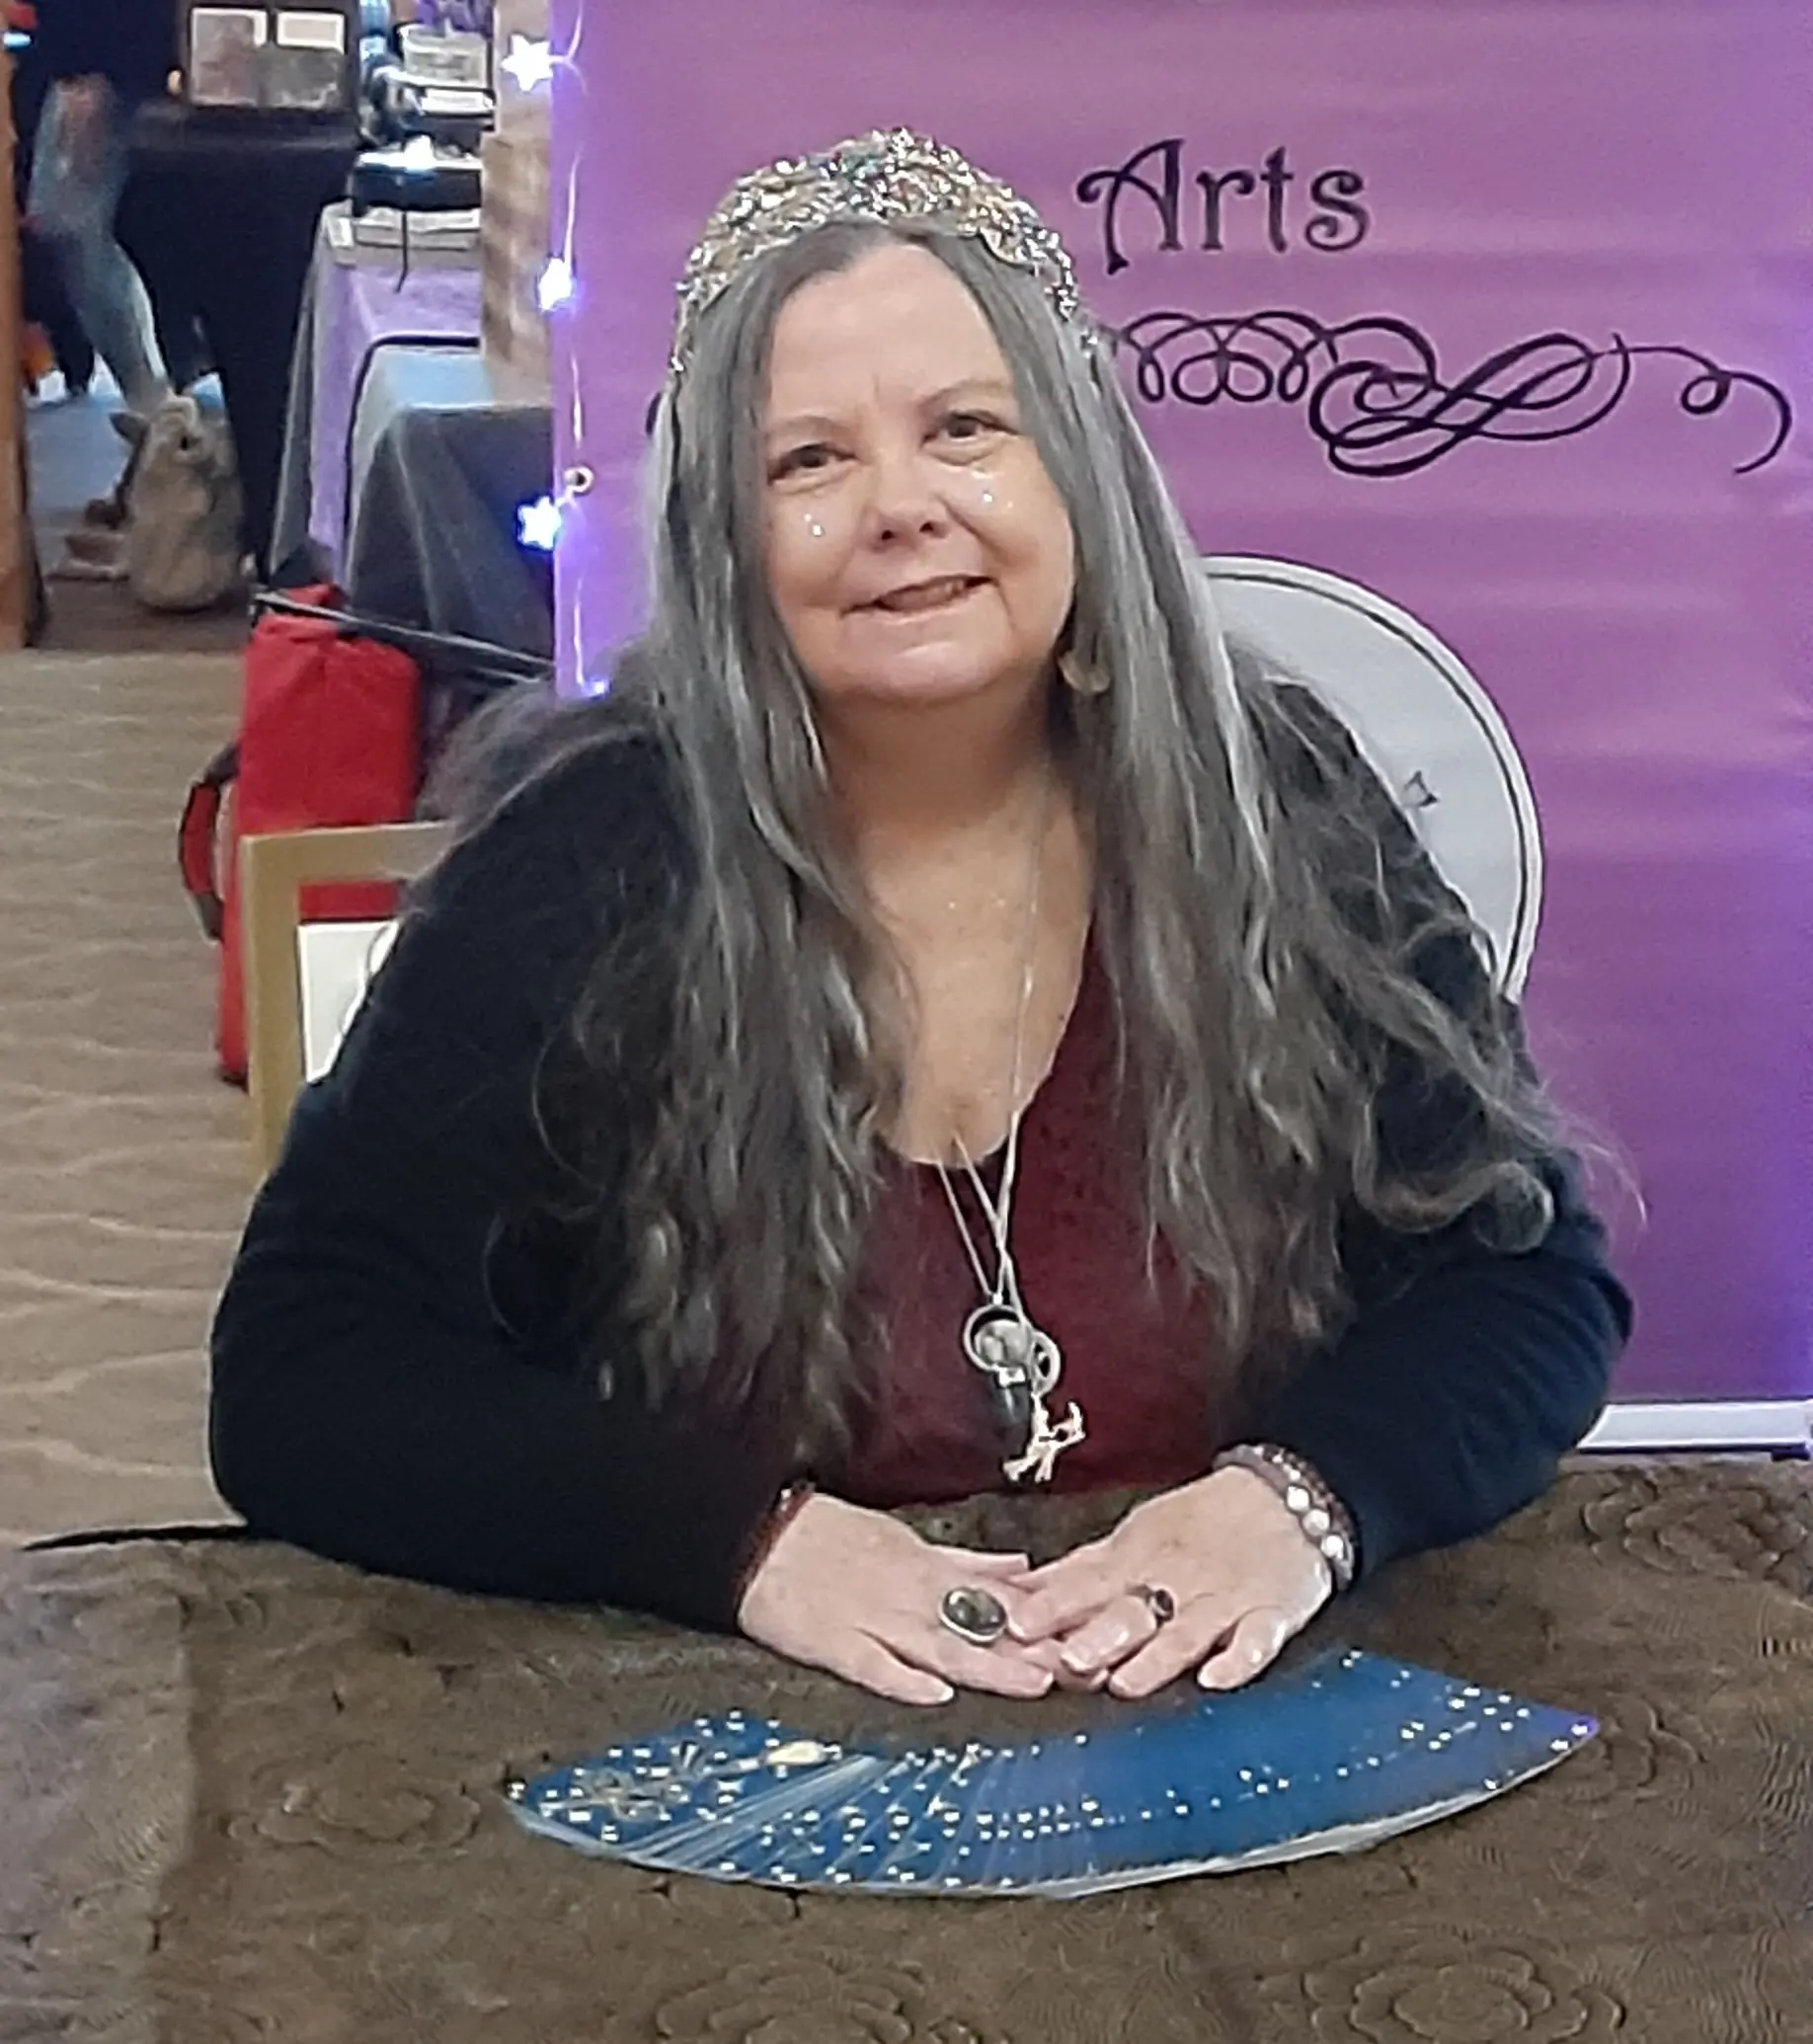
(1324, 1521)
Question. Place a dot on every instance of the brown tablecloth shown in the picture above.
(250, 1798)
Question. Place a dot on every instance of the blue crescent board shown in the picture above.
(1333, 1757)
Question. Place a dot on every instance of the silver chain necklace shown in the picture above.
(1020, 1361)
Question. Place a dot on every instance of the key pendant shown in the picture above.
(1045, 1443)
(1022, 1363)
(993, 1343)
(1010, 1398)
(999, 1341)
(1003, 1343)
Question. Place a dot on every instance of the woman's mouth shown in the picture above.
(915, 598)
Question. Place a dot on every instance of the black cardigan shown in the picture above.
(375, 1399)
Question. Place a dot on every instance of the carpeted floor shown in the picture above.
(123, 1170)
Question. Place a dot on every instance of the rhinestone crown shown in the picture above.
(883, 178)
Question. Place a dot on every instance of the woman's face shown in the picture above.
(917, 549)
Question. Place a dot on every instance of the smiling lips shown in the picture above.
(918, 596)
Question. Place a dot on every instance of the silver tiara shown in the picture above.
(885, 178)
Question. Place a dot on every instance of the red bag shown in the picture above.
(330, 735)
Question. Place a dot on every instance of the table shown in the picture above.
(445, 448)
(348, 308)
(255, 1795)
(407, 455)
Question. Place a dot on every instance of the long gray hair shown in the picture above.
(1261, 910)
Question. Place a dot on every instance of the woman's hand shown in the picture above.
(1244, 1580)
(857, 1592)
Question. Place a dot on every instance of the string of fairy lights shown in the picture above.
(531, 63)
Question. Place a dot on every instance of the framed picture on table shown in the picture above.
(298, 59)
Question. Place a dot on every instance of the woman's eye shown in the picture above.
(804, 460)
(970, 426)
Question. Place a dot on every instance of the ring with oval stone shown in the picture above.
(972, 1613)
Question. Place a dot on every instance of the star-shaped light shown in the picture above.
(530, 62)
(555, 285)
(538, 524)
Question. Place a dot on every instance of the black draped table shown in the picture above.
(446, 451)
(251, 1797)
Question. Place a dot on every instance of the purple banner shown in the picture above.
(1503, 313)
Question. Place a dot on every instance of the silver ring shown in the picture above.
(972, 1613)
(1160, 1602)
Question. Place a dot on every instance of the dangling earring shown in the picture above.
(1078, 675)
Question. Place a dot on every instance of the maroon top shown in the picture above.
(1138, 1357)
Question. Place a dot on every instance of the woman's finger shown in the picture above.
(1251, 1648)
(1003, 1669)
(1079, 1559)
(1120, 1628)
(986, 1560)
(1083, 1684)
(1198, 1629)
(873, 1665)
(1060, 1603)
(1049, 1654)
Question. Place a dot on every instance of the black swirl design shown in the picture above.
(1374, 393)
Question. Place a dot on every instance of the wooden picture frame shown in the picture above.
(273, 871)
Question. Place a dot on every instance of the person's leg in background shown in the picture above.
(158, 251)
(77, 175)
(248, 276)
(179, 336)
(47, 301)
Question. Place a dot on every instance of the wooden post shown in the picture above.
(513, 214)
(15, 536)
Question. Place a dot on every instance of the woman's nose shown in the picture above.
(904, 499)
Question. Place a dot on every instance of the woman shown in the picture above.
(106, 58)
(940, 1025)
